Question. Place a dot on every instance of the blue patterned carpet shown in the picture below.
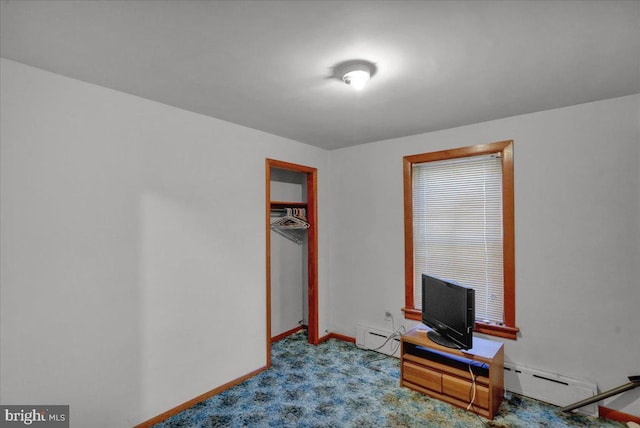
(336, 385)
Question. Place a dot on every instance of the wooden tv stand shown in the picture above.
(443, 373)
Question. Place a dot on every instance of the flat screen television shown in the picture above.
(449, 309)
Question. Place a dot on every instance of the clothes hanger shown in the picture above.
(292, 224)
(290, 221)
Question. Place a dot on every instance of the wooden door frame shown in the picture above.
(312, 244)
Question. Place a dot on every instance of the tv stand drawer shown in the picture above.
(463, 390)
(422, 376)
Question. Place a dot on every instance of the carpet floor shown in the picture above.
(338, 385)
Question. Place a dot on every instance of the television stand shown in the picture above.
(452, 375)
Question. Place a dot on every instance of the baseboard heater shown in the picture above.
(374, 339)
(549, 387)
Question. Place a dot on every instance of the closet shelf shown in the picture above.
(285, 204)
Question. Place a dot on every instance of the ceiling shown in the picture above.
(268, 65)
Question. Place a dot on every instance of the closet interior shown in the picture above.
(291, 251)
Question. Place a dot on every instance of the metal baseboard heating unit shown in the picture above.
(549, 387)
(374, 339)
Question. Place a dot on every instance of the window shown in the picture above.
(459, 225)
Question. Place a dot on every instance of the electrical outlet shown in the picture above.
(387, 315)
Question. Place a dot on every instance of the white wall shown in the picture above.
(577, 190)
(133, 249)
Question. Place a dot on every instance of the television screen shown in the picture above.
(449, 309)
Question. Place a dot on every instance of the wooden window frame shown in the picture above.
(508, 329)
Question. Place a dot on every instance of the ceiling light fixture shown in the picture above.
(355, 73)
(358, 77)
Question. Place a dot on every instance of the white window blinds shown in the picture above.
(457, 228)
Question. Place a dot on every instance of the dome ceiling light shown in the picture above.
(355, 73)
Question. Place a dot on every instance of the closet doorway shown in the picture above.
(291, 203)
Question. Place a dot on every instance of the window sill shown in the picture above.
(480, 327)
